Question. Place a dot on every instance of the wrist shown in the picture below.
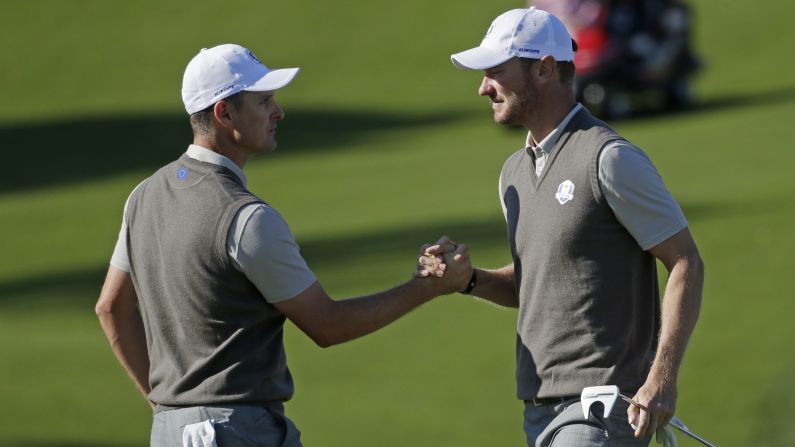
(473, 280)
(424, 289)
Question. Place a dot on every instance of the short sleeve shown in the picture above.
(264, 249)
(637, 195)
(502, 199)
(121, 258)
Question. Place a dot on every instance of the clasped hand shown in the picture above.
(446, 263)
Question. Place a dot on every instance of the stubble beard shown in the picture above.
(516, 106)
(269, 144)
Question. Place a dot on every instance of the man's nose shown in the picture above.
(486, 88)
(278, 114)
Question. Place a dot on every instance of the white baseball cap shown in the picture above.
(530, 33)
(219, 72)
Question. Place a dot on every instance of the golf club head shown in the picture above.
(606, 394)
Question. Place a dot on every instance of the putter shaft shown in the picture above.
(674, 424)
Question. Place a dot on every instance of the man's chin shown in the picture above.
(507, 120)
(264, 150)
(268, 148)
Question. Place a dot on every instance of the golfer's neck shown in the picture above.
(544, 119)
(230, 151)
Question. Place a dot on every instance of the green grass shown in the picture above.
(385, 146)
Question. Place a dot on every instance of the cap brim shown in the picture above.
(273, 80)
(479, 58)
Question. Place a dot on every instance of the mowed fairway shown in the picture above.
(385, 146)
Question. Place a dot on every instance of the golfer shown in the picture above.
(205, 272)
(588, 216)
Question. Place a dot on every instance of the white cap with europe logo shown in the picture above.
(531, 33)
(219, 72)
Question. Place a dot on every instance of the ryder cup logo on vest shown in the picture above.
(565, 192)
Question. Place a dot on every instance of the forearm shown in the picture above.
(355, 317)
(680, 311)
(118, 314)
(125, 332)
(497, 286)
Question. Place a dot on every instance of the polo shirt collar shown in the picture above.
(546, 145)
(206, 155)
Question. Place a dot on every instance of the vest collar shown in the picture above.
(548, 143)
(565, 128)
(206, 155)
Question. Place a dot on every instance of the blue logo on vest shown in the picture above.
(565, 192)
(182, 173)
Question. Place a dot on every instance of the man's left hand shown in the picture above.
(659, 397)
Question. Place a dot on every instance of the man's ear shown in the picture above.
(223, 114)
(547, 68)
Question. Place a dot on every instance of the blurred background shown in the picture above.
(385, 146)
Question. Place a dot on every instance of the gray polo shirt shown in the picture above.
(259, 242)
(630, 183)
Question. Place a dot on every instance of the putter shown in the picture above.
(608, 394)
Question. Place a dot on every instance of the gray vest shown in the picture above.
(589, 299)
(211, 336)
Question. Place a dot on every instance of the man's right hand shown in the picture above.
(446, 264)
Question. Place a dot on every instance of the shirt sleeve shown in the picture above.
(263, 248)
(637, 195)
(120, 258)
(502, 199)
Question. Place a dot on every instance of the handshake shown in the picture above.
(447, 266)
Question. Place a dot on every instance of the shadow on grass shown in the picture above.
(80, 288)
(700, 211)
(48, 154)
(53, 153)
(61, 444)
(773, 97)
